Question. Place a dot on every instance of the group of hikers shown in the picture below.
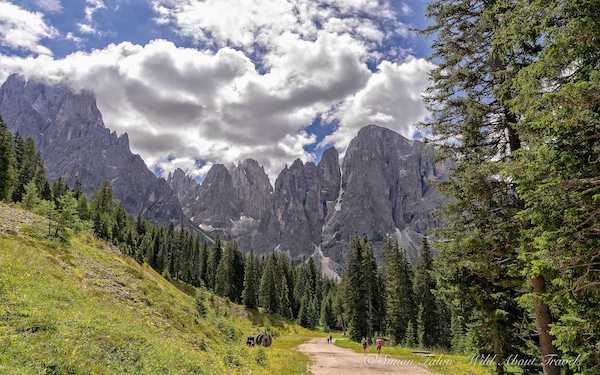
(378, 342)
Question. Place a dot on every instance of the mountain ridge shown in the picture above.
(75, 144)
(385, 185)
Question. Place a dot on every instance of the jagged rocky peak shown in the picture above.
(331, 176)
(252, 188)
(74, 143)
(387, 183)
(213, 205)
(182, 184)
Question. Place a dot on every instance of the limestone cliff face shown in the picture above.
(252, 188)
(385, 186)
(74, 143)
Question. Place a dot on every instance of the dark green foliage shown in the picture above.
(356, 291)
(399, 290)
(230, 273)
(251, 282)
(327, 316)
(267, 294)
(31, 197)
(29, 167)
(201, 305)
(424, 286)
(7, 163)
(212, 263)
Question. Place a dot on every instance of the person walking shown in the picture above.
(364, 343)
(379, 343)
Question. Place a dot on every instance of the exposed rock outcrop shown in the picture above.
(74, 143)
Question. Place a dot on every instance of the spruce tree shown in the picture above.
(212, 263)
(268, 294)
(424, 286)
(557, 174)
(27, 167)
(356, 291)
(204, 252)
(83, 208)
(238, 275)
(399, 290)
(473, 124)
(327, 315)
(32, 197)
(67, 219)
(225, 272)
(46, 191)
(375, 291)
(251, 280)
(7, 163)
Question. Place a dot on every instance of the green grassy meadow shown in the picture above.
(83, 308)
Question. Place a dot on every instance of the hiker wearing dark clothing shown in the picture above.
(364, 343)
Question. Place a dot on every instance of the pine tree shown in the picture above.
(556, 175)
(67, 219)
(212, 263)
(375, 291)
(267, 294)
(31, 198)
(204, 251)
(399, 290)
(7, 162)
(251, 280)
(327, 316)
(46, 191)
(469, 98)
(356, 291)
(225, 272)
(59, 188)
(83, 208)
(424, 286)
(238, 275)
(77, 189)
(27, 167)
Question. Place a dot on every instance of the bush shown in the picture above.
(231, 359)
(201, 305)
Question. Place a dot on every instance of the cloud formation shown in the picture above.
(262, 71)
(23, 30)
(51, 6)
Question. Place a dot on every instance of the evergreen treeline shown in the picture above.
(395, 300)
(294, 291)
(515, 102)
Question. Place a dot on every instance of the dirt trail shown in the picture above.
(329, 359)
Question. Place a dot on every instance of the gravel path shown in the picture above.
(329, 359)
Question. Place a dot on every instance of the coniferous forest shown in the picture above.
(513, 272)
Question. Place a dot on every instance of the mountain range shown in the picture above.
(384, 184)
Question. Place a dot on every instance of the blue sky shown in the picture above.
(273, 80)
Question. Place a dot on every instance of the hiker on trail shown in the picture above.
(364, 343)
(379, 343)
(330, 339)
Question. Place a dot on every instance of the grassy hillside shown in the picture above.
(83, 308)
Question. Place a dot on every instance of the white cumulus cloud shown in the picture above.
(262, 71)
(24, 30)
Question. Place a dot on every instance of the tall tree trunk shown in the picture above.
(543, 319)
(499, 368)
